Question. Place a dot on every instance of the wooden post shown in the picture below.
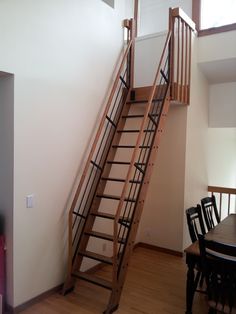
(186, 65)
(178, 57)
(190, 61)
(132, 37)
(171, 53)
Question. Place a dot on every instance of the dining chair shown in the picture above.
(219, 268)
(210, 212)
(196, 227)
(195, 222)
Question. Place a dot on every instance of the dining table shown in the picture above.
(224, 232)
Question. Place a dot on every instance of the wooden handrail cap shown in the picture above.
(178, 12)
(127, 23)
(220, 189)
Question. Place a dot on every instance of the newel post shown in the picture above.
(130, 25)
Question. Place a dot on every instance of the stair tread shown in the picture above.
(110, 216)
(94, 279)
(118, 162)
(113, 179)
(96, 256)
(115, 197)
(143, 101)
(119, 180)
(102, 235)
(133, 131)
(138, 116)
(130, 146)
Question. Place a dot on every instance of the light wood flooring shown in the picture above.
(155, 285)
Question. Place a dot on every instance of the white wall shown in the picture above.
(221, 157)
(6, 170)
(222, 105)
(63, 55)
(222, 163)
(148, 51)
(154, 14)
(162, 223)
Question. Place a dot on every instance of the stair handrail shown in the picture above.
(132, 163)
(129, 24)
(182, 28)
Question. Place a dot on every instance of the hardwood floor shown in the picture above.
(155, 285)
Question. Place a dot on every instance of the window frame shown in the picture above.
(196, 16)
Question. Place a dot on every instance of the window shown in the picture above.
(213, 16)
(111, 3)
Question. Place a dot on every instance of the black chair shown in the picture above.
(195, 222)
(196, 227)
(210, 212)
(219, 269)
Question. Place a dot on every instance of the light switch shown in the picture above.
(30, 201)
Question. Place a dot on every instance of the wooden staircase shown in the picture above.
(108, 203)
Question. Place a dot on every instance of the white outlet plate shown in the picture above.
(30, 201)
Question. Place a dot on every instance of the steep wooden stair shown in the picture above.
(108, 203)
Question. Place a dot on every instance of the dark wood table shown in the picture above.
(224, 232)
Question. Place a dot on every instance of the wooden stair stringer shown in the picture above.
(90, 219)
(116, 294)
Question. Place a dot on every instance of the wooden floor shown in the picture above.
(155, 285)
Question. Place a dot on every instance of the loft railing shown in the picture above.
(225, 199)
(181, 27)
(85, 192)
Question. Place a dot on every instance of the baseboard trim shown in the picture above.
(158, 248)
(44, 295)
(40, 297)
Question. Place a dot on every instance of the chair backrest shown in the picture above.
(218, 263)
(210, 212)
(195, 222)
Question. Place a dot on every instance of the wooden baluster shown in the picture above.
(182, 62)
(136, 10)
(171, 52)
(186, 63)
(178, 56)
(229, 195)
(189, 68)
(132, 38)
(220, 203)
